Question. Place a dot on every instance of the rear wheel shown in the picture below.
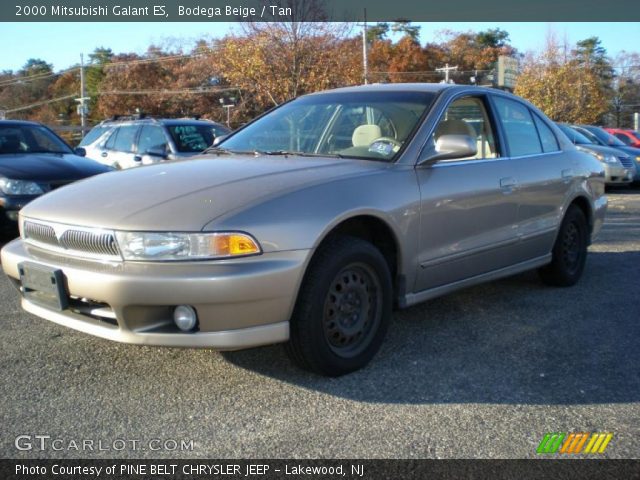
(343, 309)
(569, 251)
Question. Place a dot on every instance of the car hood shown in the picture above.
(631, 151)
(185, 195)
(48, 167)
(603, 150)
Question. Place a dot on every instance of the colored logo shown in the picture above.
(574, 443)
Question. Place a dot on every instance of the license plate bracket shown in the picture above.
(43, 285)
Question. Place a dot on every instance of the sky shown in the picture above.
(62, 43)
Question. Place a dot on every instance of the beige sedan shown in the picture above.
(308, 225)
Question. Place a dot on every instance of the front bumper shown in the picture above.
(618, 175)
(240, 303)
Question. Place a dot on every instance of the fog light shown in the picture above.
(185, 317)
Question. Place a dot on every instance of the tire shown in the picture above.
(569, 251)
(343, 308)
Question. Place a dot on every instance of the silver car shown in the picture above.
(309, 224)
(618, 166)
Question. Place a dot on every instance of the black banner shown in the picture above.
(198, 469)
(316, 10)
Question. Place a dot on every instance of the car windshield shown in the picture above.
(574, 136)
(363, 125)
(30, 139)
(588, 134)
(95, 133)
(606, 137)
(192, 138)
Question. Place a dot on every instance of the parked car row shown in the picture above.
(621, 161)
(309, 224)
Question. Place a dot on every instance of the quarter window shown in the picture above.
(547, 138)
(519, 128)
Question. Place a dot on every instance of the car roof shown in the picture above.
(160, 121)
(403, 87)
(17, 123)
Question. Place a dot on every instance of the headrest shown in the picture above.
(364, 135)
(454, 127)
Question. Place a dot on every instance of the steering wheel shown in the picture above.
(390, 140)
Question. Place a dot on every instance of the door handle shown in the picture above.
(104, 154)
(508, 185)
(137, 158)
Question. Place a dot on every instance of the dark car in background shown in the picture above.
(34, 161)
(618, 166)
(125, 142)
(600, 136)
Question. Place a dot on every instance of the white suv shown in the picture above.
(125, 142)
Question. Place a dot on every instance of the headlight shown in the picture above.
(19, 187)
(163, 246)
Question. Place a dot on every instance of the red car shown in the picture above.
(629, 137)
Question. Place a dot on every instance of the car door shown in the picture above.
(468, 206)
(120, 148)
(544, 174)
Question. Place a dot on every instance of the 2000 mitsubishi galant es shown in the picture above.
(308, 225)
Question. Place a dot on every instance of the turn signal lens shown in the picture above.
(231, 244)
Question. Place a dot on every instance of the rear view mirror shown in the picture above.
(81, 152)
(449, 147)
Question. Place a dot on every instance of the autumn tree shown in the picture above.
(562, 85)
(275, 62)
(474, 51)
(626, 89)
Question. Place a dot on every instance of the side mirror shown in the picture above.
(450, 147)
(218, 140)
(158, 151)
(81, 152)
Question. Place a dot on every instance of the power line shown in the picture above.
(166, 58)
(35, 77)
(182, 91)
(38, 104)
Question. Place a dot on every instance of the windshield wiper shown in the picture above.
(300, 154)
(216, 150)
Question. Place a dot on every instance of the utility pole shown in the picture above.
(446, 69)
(365, 66)
(82, 107)
(636, 121)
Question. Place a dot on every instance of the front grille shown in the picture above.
(73, 240)
(40, 233)
(626, 162)
(96, 243)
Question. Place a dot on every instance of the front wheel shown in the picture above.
(343, 308)
(569, 251)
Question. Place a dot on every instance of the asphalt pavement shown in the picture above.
(482, 373)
